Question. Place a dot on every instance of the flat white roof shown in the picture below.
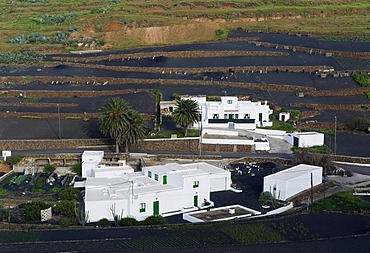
(90, 152)
(293, 172)
(308, 133)
(186, 169)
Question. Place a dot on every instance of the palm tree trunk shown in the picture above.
(117, 146)
(186, 131)
(126, 147)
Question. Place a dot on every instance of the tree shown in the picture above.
(359, 124)
(186, 113)
(135, 129)
(114, 118)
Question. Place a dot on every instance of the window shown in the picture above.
(150, 174)
(156, 177)
(229, 102)
(225, 116)
(236, 116)
(165, 179)
(215, 116)
(142, 207)
(247, 116)
(195, 184)
(231, 116)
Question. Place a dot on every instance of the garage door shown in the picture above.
(218, 184)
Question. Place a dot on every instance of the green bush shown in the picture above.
(362, 79)
(77, 169)
(66, 208)
(14, 159)
(32, 210)
(359, 124)
(128, 221)
(103, 223)
(265, 198)
(155, 220)
(65, 222)
(49, 168)
(69, 193)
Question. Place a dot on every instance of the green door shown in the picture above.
(260, 117)
(295, 141)
(155, 207)
(195, 200)
(164, 179)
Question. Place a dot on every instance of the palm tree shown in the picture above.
(135, 130)
(186, 113)
(114, 118)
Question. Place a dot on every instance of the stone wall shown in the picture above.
(51, 144)
(176, 145)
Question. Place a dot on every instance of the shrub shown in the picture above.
(65, 222)
(359, 124)
(66, 208)
(14, 159)
(362, 79)
(32, 210)
(49, 168)
(265, 198)
(155, 220)
(128, 221)
(103, 223)
(69, 193)
(219, 32)
(77, 168)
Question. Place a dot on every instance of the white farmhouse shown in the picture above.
(230, 113)
(287, 183)
(156, 190)
(305, 139)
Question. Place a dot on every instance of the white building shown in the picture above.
(305, 139)
(287, 183)
(165, 190)
(230, 113)
(284, 116)
(94, 165)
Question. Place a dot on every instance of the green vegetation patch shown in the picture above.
(343, 201)
(281, 125)
(315, 149)
(19, 236)
(253, 234)
(20, 57)
(362, 79)
(346, 38)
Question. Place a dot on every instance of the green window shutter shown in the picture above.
(195, 184)
(150, 174)
(165, 179)
(156, 177)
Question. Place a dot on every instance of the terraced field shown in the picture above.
(73, 87)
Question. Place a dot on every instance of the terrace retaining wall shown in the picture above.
(186, 144)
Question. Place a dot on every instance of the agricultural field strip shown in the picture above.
(36, 104)
(198, 70)
(55, 115)
(179, 54)
(67, 94)
(359, 107)
(360, 55)
(101, 80)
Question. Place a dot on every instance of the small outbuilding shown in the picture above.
(284, 116)
(305, 139)
(287, 183)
